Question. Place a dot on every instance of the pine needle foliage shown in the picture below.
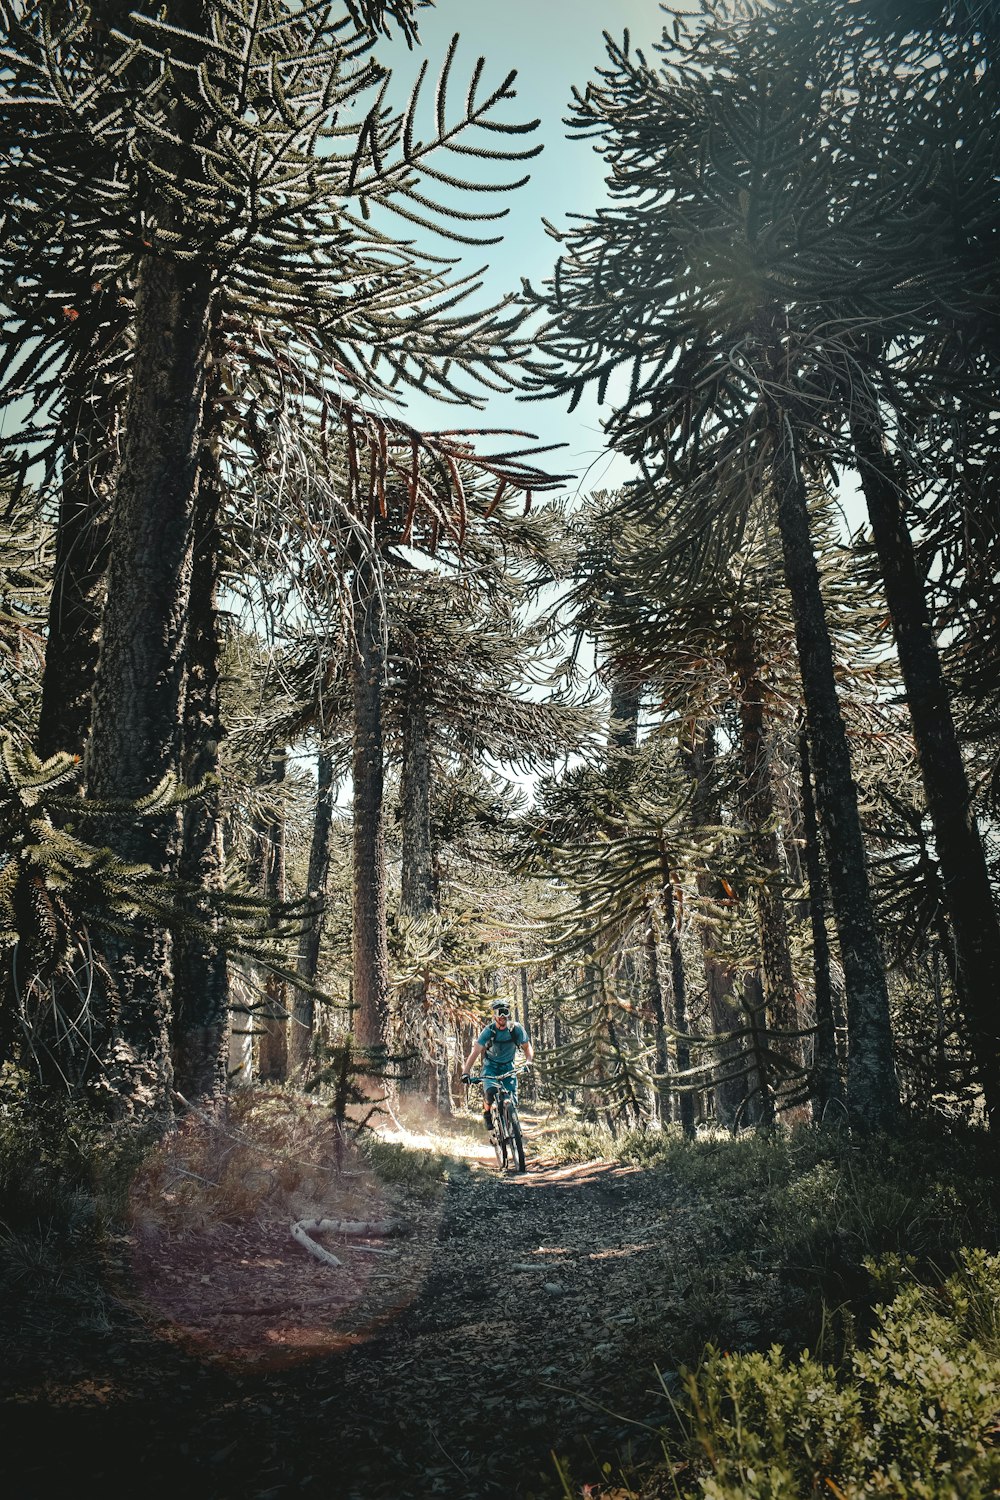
(457, 638)
(52, 878)
(602, 1063)
(58, 893)
(25, 563)
(62, 894)
(280, 184)
(764, 215)
(802, 269)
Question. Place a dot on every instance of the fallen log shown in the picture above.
(376, 1229)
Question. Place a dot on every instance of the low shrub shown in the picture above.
(63, 1163)
(913, 1416)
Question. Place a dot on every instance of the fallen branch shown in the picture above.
(304, 1228)
(299, 1233)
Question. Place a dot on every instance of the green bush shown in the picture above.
(57, 1153)
(913, 1416)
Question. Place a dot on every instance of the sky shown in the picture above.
(553, 45)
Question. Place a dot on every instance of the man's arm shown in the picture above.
(527, 1048)
(474, 1056)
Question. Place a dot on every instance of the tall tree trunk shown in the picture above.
(758, 808)
(720, 979)
(968, 893)
(370, 946)
(760, 1095)
(85, 1013)
(528, 1021)
(730, 1082)
(416, 897)
(661, 1050)
(417, 873)
(623, 715)
(89, 431)
(423, 1031)
(872, 1090)
(300, 1031)
(622, 741)
(82, 554)
(678, 985)
(138, 695)
(273, 1036)
(201, 968)
(139, 686)
(828, 1088)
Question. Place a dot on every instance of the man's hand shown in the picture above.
(466, 1078)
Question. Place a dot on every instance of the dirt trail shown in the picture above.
(227, 1363)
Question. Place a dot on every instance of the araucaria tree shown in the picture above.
(232, 170)
(773, 282)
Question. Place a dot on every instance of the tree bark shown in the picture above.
(417, 874)
(758, 808)
(273, 1038)
(623, 716)
(82, 554)
(682, 1050)
(139, 686)
(528, 1021)
(90, 430)
(201, 969)
(720, 979)
(828, 1088)
(422, 1028)
(968, 892)
(138, 694)
(759, 1110)
(661, 1051)
(370, 947)
(872, 1089)
(300, 1031)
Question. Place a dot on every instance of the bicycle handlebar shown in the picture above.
(496, 1077)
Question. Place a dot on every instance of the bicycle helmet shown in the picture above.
(501, 1007)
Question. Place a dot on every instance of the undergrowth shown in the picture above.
(841, 1328)
(392, 1161)
(71, 1184)
(913, 1416)
(824, 1317)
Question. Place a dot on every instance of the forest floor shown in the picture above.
(205, 1353)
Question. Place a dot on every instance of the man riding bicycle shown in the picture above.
(497, 1043)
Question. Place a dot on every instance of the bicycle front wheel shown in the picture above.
(499, 1137)
(516, 1139)
(509, 1118)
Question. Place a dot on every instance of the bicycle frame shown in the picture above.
(508, 1142)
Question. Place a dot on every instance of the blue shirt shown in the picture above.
(500, 1048)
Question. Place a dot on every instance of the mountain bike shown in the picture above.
(508, 1142)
